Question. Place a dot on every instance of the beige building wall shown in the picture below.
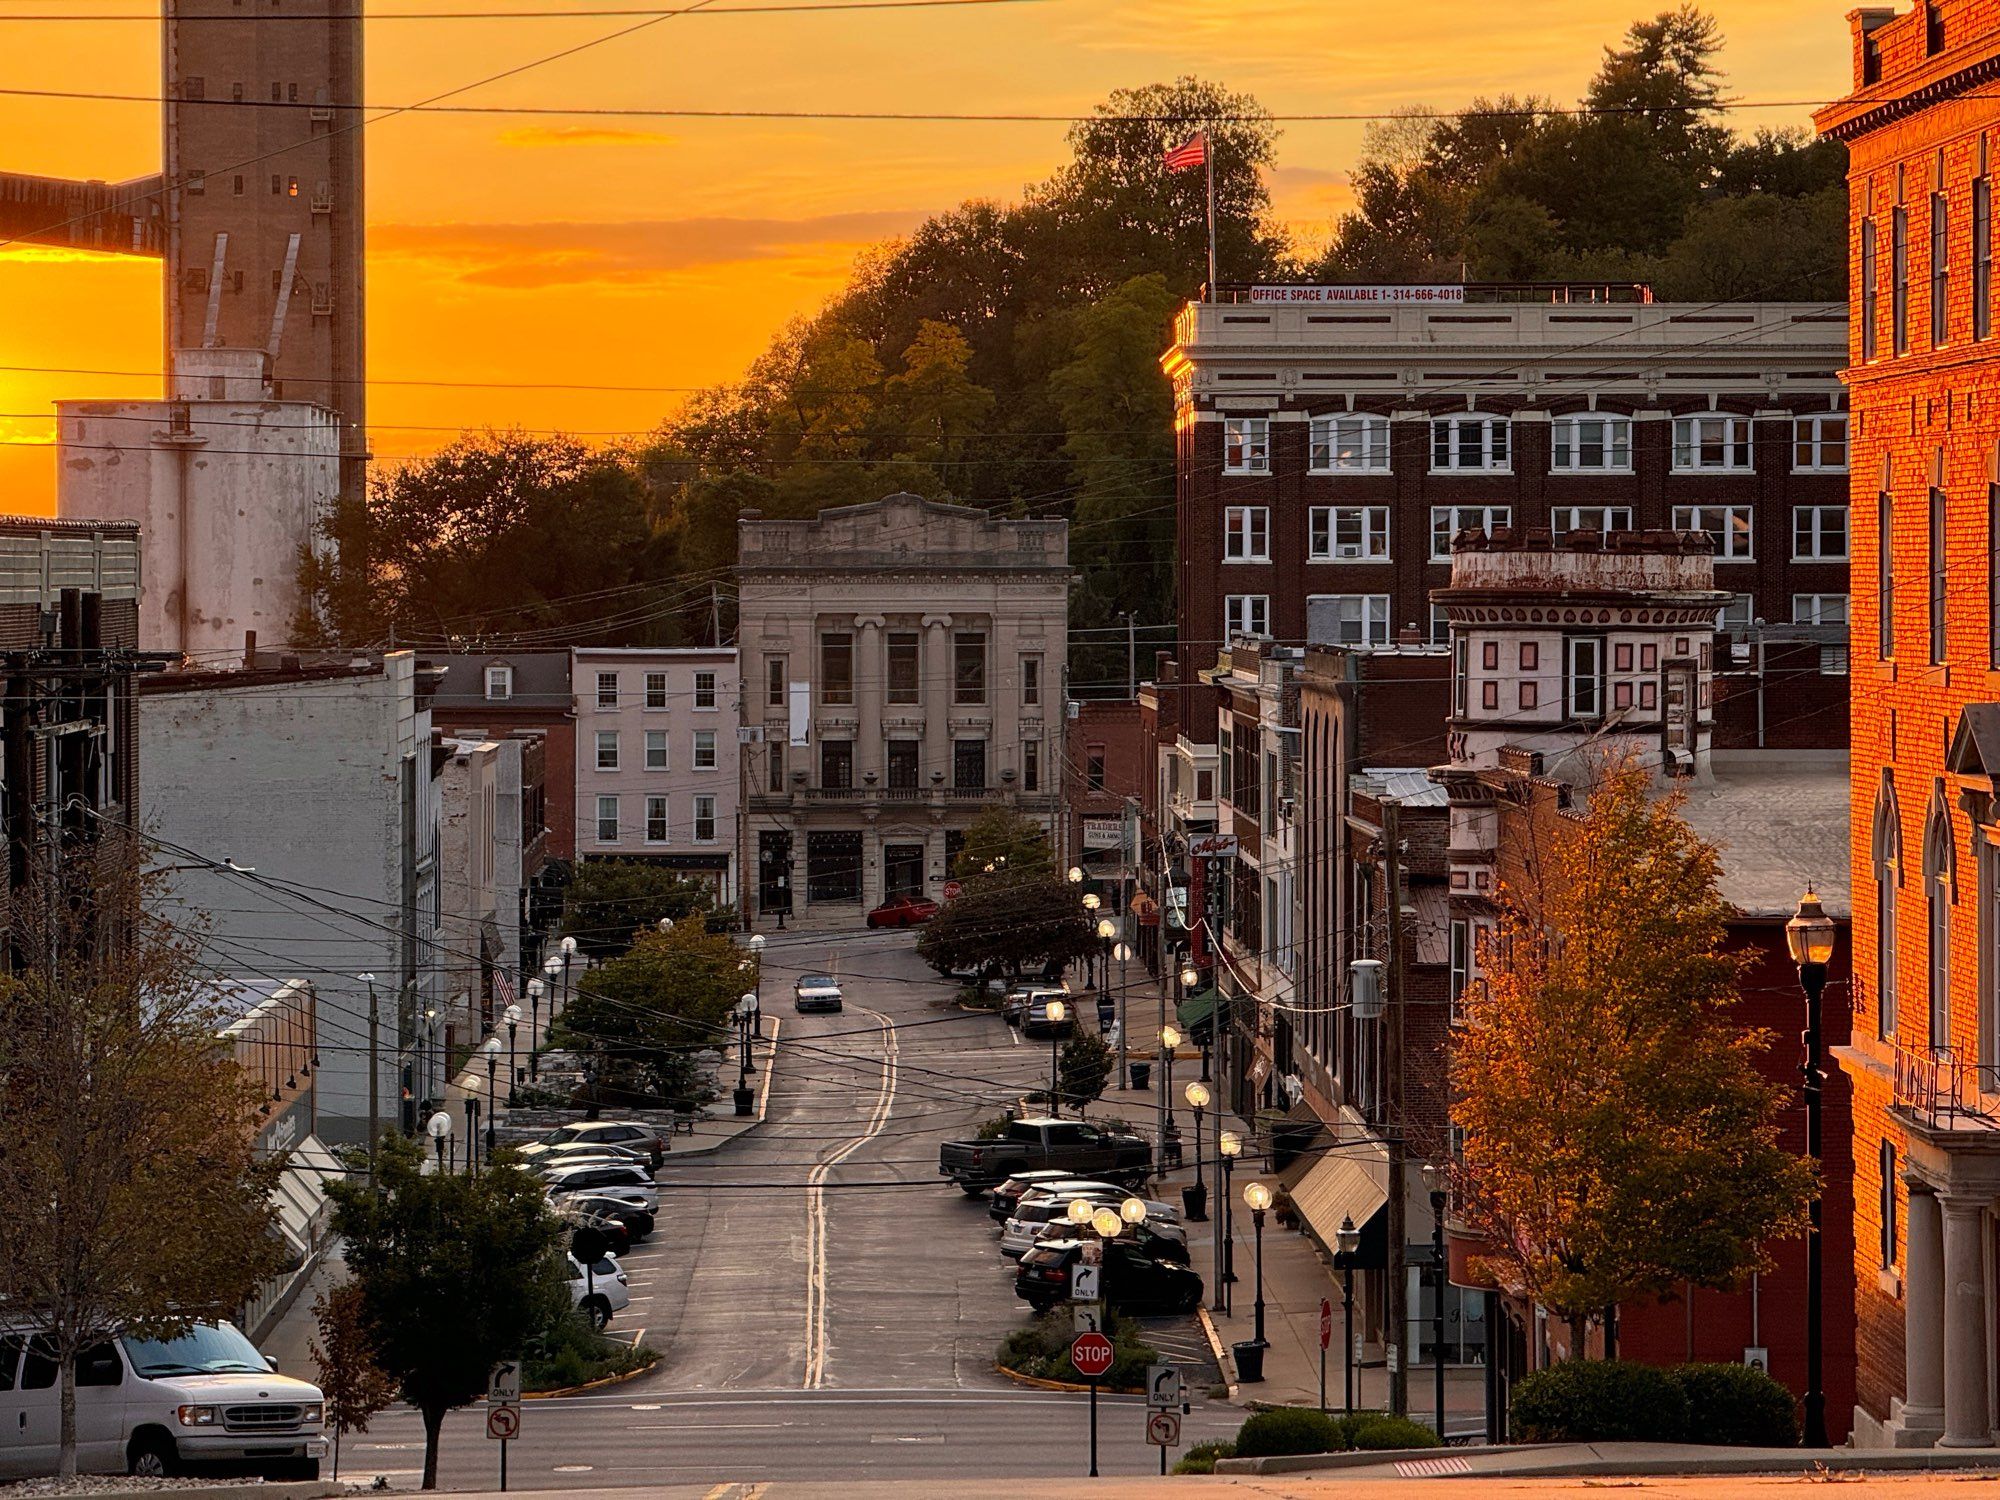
(903, 671)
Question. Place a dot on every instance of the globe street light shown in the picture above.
(1198, 1097)
(1810, 936)
(490, 1050)
(1258, 1196)
(1228, 1146)
(1057, 1012)
(1080, 1210)
(1436, 1183)
(1076, 874)
(1170, 1039)
(1107, 931)
(1107, 1223)
(471, 1124)
(536, 989)
(1347, 1241)
(438, 1127)
(1133, 1210)
(1122, 953)
(512, 1016)
(567, 948)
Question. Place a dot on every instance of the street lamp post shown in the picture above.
(746, 1007)
(1810, 937)
(1197, 1096)
(1091, 901)
(512, 1016)
(1122, 953)
(490, 1048)
(1056, 1012)
(1258, 1196)
(1170, 1038)
(1347, 1241)
(1436, 1181)
(471, 1124)
(567, 947)
(1107, 930)
(536, 989)
(1228, 1149)
(438, 1127)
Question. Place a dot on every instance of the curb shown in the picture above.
(1363, 1458)
(568, 1390)
(1038, 1383)
(756, 1119)
(289, 1489)
(1215, 1347)
(1543, 1461)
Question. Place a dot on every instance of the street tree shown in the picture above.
(1620, 1142)
(1008, 923)
(609, 903)
(644, 1015)
(1014, 844)
(1085, 1068)
(343, 1356)
(456, 1272)
(135, 1198)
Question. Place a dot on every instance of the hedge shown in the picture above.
(1306, 1429)
(1042, 1350)
(1622, 1401)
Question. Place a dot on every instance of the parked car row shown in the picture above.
(1077, 1147)
(1145, 1265)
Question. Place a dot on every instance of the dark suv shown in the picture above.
(1134, 1281)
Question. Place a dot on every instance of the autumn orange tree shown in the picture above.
(1619, 1139)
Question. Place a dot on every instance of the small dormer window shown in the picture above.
(499, 683)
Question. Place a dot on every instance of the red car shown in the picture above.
(903, 911)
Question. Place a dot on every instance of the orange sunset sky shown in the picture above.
(664, 254)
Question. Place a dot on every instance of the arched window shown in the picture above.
(1939, 867)
(1886, 1205)
(1887, 856)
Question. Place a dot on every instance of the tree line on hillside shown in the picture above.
(1007, 354)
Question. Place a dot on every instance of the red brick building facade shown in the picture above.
(1922, 127)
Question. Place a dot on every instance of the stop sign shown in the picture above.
(953, 890)
(1091, 1354)
(1325, 1324)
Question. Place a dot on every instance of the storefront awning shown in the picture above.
(1337, 1182)
(1196, 1009)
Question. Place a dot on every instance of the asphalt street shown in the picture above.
(825, 1305)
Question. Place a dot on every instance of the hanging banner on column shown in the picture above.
(801, 707)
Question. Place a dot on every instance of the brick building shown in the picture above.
(1921, 128)
(1105, 774)
(497, 693)
(1327, 455)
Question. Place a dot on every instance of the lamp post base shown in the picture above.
(746, 1101)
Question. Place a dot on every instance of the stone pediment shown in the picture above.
(904, 531)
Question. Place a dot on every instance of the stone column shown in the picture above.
(871, 668)
(1967, 1422)
(1922, 1412)
(936, 690)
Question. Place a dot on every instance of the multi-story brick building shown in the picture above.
(1104, 776)
(1922, 127)
(1327, 454)
(905, 664)
(496, 693)
(659, 770)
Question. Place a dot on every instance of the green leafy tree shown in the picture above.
(1011, 842)
(610, 903)
(1008, 923)
(356, 1388)
(456, 1272)
(134, 1195)
(1620, 1141)
(1085, 1068)
(641, 1015)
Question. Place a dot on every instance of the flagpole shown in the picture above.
(1208, 162)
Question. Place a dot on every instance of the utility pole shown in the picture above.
(374, 1075)
(1395, 1121)
(1131, 656)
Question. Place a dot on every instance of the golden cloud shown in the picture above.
(582, 135)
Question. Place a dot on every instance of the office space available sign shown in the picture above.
(1365, 296)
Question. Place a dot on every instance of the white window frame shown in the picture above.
(1567, 442)
(1609, 515)
(1495, 444)
(1808, 522)
(1237, 613)
(1738, 615)
(656, 690)
(658, 800)
(1440, 626)
(607, 741)
(704, 750)
(1698, 517)
(1489, 516)
(1246, 533)
(1373, 613)
(1811, 609)
(1370, 521)
(656, 749)
(607, 812)
(1348, 443)
(704, 690)
(499, 684)
(1246, 445)
(1809, 438)
(607, 701)
(1575, 649)
(703, 799)
(1737, 436)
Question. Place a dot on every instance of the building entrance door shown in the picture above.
(903, 870)
(833, 867)
(774, 865)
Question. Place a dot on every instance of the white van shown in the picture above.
(156, 1407)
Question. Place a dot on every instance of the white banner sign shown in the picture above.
(1373, 296)
(1104, 833)
(801, 711)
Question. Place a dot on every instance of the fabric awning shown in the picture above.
(1349, 1179)
(1196, 1009)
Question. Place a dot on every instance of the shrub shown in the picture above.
(1374, 1431)
(1289, 1429)
(1042, 1350)
(572, 1353)
(1200, 1459)
(1736, 1405)
(1599, 1400)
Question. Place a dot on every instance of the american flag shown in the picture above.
(1193, 154)
(503, 989)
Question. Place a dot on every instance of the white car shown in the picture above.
(631, 1135)
(599, 1290)
(644, 1199)
(1039, 1209)
(157, 1407)
(578, 1176)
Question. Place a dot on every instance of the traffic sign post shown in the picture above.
(1325, 1339)
(1091, 1355)
(503, 1409)
(1163, 1431)
(953, 890)
(1165, 1396)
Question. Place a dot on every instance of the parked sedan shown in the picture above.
(638, 1221)
(628, 1135)
(600, 1291)
(816, 992)
(594, 1175)
(903, 911)
(1008, 1194)
(586, 1151)
(1037, 1210)
(1134, 1281)
(645, 1200)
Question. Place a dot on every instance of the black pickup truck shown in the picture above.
(1074, 1145)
